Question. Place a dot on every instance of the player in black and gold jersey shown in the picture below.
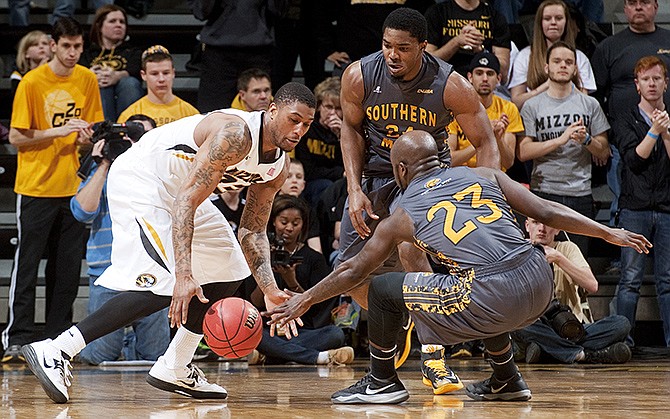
(497, 282)
(396, 90)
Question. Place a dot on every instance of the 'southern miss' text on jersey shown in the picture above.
(393, 106)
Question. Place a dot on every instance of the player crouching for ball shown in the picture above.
(498, 280)
(172, 244)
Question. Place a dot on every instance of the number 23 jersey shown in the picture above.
(461, 219)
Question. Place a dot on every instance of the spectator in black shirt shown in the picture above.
(459, 29)
(319, 341)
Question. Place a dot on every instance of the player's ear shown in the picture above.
(402, 170)
(272, 110)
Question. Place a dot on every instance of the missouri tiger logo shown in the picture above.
(145, 281)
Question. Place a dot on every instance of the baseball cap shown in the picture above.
(485, 59)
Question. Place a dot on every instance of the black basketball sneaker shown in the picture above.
(513, 389)
(437, 374)
(372, 390)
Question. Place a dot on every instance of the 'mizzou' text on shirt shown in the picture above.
(552, 122)
(321, 148)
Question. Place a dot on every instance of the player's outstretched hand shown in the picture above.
(625, 238)
(287, 328)
(358, 203)
(183, 292)
(289, 311)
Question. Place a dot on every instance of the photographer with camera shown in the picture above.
(116, 140)
(566, 332)
(152, 333)
(295, 186)
(297, 267)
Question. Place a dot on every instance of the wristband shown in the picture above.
(588, 140)
(652, 135)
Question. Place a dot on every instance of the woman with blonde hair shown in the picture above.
(552, 23)
(33, 50)
(319, 149)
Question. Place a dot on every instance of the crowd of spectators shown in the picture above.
(569, 112)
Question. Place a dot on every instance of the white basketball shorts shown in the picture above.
(140, 205)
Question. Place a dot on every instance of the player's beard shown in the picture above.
(285, 145)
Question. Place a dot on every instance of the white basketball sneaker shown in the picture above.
(189, 381)
(50, 367)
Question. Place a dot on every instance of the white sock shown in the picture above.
(323, 358)
(182, 348)
(70, 341)
(429, 349)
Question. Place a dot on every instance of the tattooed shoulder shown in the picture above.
(233, 141)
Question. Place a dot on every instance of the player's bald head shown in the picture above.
(413, 152)
(413, 147)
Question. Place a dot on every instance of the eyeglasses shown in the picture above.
(639, 2)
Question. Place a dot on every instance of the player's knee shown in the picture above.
(386, 289)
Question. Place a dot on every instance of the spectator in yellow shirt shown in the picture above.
(54, 107)
(484, 74)
(160, 103)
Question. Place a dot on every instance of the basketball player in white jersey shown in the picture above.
(172, 244)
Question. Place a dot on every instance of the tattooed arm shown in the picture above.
(224, 141)
(255, 245)
(254, 240)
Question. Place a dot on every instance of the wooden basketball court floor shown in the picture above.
(636, 389)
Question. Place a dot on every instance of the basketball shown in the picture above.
(232, 327)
